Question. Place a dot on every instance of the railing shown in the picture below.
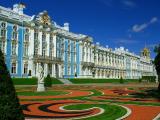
(88, 64)
(47, 59)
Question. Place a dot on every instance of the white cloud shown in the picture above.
(128, 3)
(154, 19)
(139, 28)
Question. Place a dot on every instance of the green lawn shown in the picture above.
(88, 81)
(31, 81)
(46, 93)
(112, 112)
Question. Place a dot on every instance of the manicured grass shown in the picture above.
(90, 80)
(31, 81)
(112, 112)
(24, 81)
(46, 93)
(56, 81)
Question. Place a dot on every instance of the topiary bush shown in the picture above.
(10, 108)
(48, 81)
(140, 80)
(121, 80)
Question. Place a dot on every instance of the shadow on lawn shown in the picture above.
(151, 93)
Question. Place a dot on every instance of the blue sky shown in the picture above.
(128, 23)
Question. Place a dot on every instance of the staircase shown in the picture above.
(65, 81)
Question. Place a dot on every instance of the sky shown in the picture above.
(133, 24)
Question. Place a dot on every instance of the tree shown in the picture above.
(10, 108)
(157, 63)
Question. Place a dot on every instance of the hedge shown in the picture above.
(90, 80)
(48, 81)
(149, 78)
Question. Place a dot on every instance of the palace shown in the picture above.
(28, 41)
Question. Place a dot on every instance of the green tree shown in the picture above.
(10, 108)
(157, 63)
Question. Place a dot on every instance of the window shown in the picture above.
(13, 71)
(35, 51)
(25, 50)
(13, 48)
(2, 46)
(25, 68)
(43, 44)
(51, 47)
(35, 42)
(36, 34)
(3, 29)
(3, 36)
(27, 35)
(3, 25)
(15, 33)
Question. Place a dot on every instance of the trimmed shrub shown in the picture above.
(149, 78)
(10, 108)
(48, 81)
(99, 80)
(121, 80)
(139, 80)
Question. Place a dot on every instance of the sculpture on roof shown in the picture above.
(44, 18)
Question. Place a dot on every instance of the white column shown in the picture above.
(54, 42)
(47, 41)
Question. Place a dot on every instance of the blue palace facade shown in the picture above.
(28, 41)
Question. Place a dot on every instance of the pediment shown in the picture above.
(44, 18)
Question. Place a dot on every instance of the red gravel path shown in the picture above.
(52, 109)
(143, 112)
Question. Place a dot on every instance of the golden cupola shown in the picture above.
(145, 53)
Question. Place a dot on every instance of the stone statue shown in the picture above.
(41, 74)
(40, 87)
